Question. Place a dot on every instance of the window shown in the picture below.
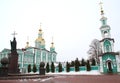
(105, 33)
(107, 46)
(104, 22)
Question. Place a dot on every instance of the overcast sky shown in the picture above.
(72, 23)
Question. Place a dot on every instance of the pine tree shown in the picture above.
(52, 68)
(34, 68)
(77, 64)
(83, 62)
(88, 66)
(93, 62)
(72, 64)
(67, 67)
(59, 67)
(47, 68)
(29, 68)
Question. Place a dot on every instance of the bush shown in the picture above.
(83, 63)
(72, 63)
(52, 68)
(47, 68)
(77, 64)
(67, 67)
(29, 68)
(93, 62)
(88, 66)
(59, 67)
(34, 68)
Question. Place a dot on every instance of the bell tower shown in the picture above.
(108, 60)
(107, 42)
(105, 29)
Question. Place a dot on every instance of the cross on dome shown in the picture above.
(101, 7)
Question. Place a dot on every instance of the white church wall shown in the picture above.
(118, 62)
(101, 64)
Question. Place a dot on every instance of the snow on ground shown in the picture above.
(94, 72)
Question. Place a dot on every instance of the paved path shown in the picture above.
(70, 79)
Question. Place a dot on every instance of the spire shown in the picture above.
(27, 43)
(40, 30)
(52, 44)
(52, 48)
(105, 29)
(103, 19)
(39, 39)
(40, 42)
(102, 11)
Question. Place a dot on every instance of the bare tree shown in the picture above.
(95, 49)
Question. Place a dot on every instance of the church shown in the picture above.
(33, 55)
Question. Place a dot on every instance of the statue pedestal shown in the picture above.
(42, 71)
(13, 63)
(3, 71)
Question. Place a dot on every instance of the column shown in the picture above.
(41, 56)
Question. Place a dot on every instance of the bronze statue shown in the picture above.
(13, 45)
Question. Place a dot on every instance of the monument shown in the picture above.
(13, 57)
(41, 68)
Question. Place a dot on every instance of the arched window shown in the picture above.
(105, 33)
(107, 46)
(104, 22)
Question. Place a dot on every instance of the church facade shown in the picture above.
(33, 55)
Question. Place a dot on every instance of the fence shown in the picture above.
(82, 68)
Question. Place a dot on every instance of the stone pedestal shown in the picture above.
(42, 71)
(3, 71)
(13, 63)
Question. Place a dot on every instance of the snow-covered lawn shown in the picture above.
(93, 72)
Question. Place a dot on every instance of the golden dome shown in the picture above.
(27, 45)
(52, 45)
(39, 39)
(43, 42)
